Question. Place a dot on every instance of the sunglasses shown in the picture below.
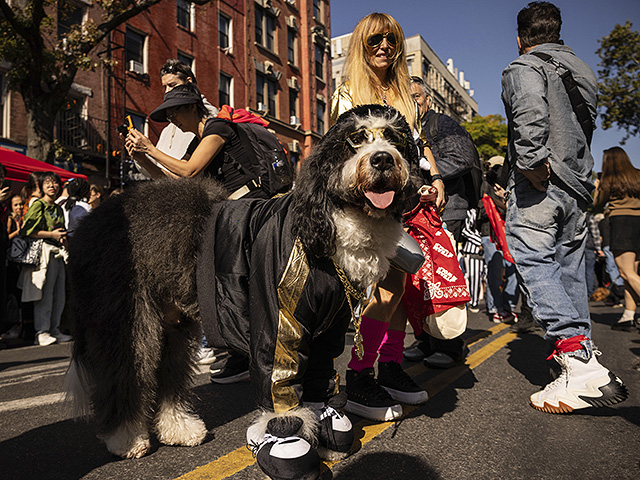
(375, 40)
(368, 135)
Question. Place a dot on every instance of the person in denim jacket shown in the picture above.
(549, 190)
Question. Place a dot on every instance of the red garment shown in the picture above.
(439, 284)
(497, 225)
(239, 115)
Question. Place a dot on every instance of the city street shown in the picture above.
(477, 423)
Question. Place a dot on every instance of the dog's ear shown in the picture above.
(313, 224)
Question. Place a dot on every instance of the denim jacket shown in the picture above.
(542, 125)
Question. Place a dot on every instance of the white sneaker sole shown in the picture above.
(411, 398)
(378, 414)
(608, 394)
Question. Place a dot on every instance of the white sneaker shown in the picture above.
(581, 384)
(45, 339)
(206, 356)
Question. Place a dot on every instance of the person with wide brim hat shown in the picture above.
(182, 106)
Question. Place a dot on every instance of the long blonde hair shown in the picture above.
(363, 82)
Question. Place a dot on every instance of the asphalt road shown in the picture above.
(477, 423)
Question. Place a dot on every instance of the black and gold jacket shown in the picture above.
(259, 294)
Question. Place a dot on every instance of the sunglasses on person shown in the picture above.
(375, 40)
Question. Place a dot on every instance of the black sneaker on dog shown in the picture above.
(335, 436)
(281, 452)
(368, 399)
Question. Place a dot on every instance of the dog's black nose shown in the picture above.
(381, 160)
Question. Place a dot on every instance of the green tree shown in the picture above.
(489, 133)
(619, 79)
(44, 64)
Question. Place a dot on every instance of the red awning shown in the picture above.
(19, 167)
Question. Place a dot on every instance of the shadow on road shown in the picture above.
(387, 465)
(61, 450)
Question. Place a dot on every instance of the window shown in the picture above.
(319, 61)
(70, 14)
(293, 107)
(266, 92)
(186, 59)
(135, 51)
(317, 9)
(185, 16)
(291, 46)
(265, 29)
(321, 111)
(225, 89)
(224, 31)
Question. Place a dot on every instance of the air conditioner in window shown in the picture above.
(136, 67)
(293, 120)
(262, 107)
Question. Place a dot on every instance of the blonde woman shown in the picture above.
(376, 72)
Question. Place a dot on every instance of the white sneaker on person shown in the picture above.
(206, 356)
(44, 339)
(581, 384)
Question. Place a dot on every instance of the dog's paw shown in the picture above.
(176, 426)
(128, 442)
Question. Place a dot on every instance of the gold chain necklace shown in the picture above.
(384, 91)
(359, 295)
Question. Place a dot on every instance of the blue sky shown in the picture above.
(480, 36)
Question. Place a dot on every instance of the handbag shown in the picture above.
(25, 250)
(435, 297)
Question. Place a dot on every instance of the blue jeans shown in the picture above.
(499, 299)
(546, 235)
(611, 268)
(590, 271)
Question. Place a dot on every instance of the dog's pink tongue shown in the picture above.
(381, 200)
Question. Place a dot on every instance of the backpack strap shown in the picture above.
(578, 103)
(433, 125)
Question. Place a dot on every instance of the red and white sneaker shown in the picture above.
(581, 383)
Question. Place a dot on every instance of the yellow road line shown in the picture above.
(241, 458)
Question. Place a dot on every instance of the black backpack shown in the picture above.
(473, 176)
(267, 163)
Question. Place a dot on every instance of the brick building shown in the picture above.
(268, 56)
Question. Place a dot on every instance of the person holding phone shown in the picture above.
(44, 284)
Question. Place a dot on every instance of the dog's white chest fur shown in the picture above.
(364, 245)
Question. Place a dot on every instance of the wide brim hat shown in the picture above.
(174, 98)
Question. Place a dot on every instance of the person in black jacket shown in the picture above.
(455, 154)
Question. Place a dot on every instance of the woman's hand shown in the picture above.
(499, 191)
(440, 199)
(59, 234)
(136, 142)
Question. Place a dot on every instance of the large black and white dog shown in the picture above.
(265, 277)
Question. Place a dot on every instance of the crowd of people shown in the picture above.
(535, 226)
(45, 212)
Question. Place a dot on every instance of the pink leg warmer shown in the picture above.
(372, 331)
(392, 347)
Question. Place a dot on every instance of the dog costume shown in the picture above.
(277, 279)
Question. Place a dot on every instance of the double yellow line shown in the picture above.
(241, 458)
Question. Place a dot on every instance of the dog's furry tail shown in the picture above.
(76, 391)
